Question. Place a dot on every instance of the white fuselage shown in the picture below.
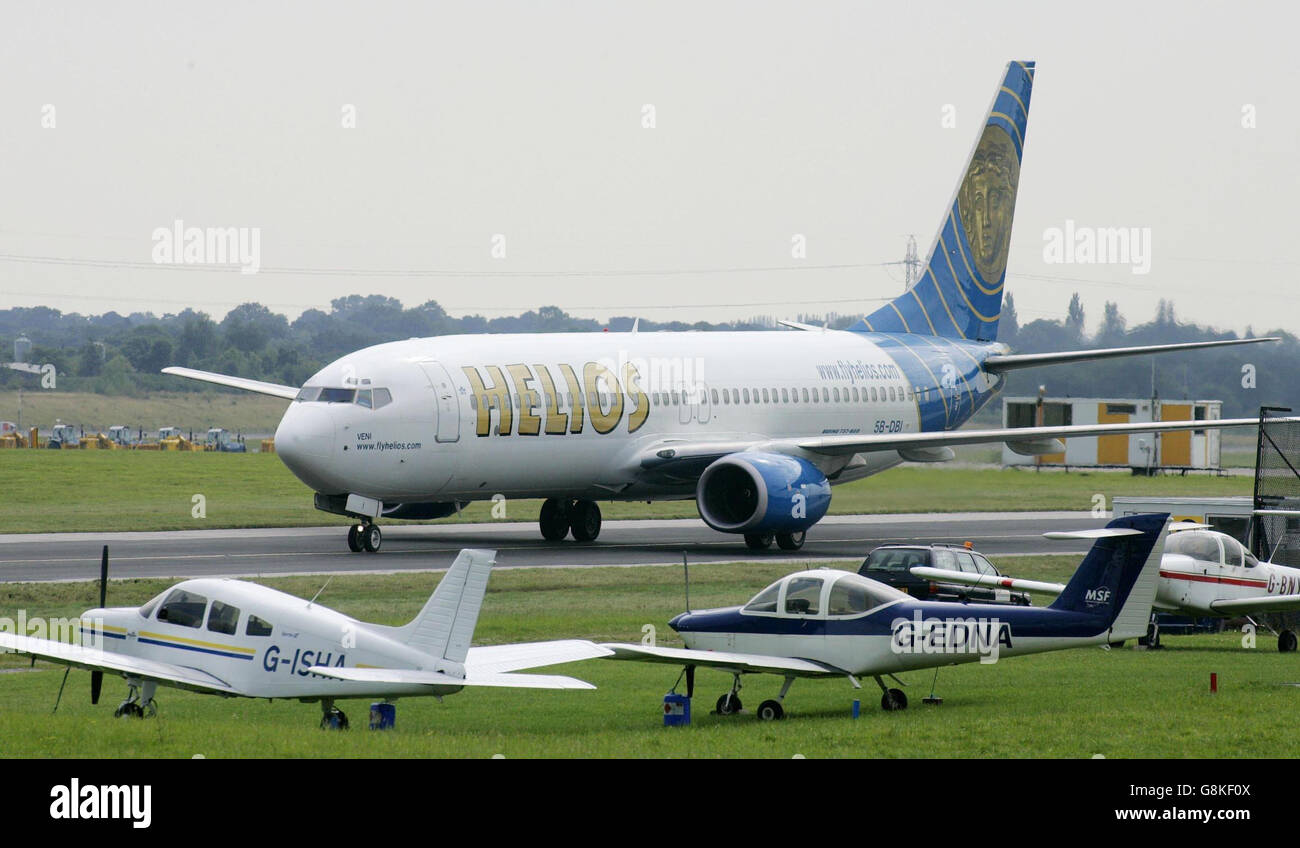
(270, 658)
(568, 415)
(1190, 586)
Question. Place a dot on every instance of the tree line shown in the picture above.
(122, 354)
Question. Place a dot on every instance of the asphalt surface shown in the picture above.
(323, 550)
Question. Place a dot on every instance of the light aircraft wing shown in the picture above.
(494, 659)
(96, 659)
(988, 581)
(725, 660)
(273, 389)
(1261, 603)
(408, 676)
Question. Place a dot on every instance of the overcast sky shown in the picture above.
(526, 120)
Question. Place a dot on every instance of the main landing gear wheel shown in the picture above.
(771, 710)
(584, 520)
(371, 537)
(354, 539)
(790, 541)
(893, 699)
(554, 519)
(758, 541)
(729, 704)
(1286, 641)
(130, 709)
(332, 718)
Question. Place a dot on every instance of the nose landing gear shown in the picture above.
(365, 537)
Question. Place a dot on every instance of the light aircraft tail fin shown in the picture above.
(445, 626)
(959, 294)
(1118, 577)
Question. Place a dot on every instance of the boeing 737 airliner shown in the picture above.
(755, 426)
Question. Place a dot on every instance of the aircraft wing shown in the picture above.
(1011, 361)
(986, 580)
(408, 676)
(273, 389)
(724, 660)
(96, 659)
(682, 459)
(494, 659)
(1262, 603)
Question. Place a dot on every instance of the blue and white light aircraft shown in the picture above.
(831, 623)
(755, 426)
(239, 639)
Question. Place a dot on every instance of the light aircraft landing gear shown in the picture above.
(332, 718)
(771, 709)
(365, 537)
(1286, 641)
(558, 517)
(729, 703)
(891, 699)
(139, 701)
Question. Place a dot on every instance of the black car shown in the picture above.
(892, 564)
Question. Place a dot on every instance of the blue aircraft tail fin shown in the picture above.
(959, 294)
(1117, 578)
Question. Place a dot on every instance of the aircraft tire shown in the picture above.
(371, 538)
(892, 700)
(758, 541)
(584, 520)
(554, 520)
(771, 710)
(1286, 641)
(728, 704)
(354, 538)
(791, 541)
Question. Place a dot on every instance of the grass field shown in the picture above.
(1119, 703)
(55, 491)
(195, 411)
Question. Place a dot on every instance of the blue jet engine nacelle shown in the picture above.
(762, 493)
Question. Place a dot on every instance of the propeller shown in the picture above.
(97, 677)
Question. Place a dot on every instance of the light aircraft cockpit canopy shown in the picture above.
(822, 593)
(1209, 546)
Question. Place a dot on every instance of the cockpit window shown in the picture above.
(147, 610)
(802, 595)
(257, 627)
(382, 398)
(337, 395)
(223, 618)
(1196, 544)
(184, 609)
(364, 399)
(308, 394)
(764, 601)
(848, 597)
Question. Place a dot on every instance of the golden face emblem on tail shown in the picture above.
(987, 200)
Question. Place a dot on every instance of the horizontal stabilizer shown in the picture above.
(1090, 535)
(415, 677)
(272, 389)
(1012, 361)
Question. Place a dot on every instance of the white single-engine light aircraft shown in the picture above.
(1204, 574)
(832, 623)
(239, 639)
(755, 426)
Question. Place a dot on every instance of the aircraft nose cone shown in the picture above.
(305, 442)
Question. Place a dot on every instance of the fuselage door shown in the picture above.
(448, 405)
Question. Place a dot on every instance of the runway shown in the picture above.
(323, 550)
